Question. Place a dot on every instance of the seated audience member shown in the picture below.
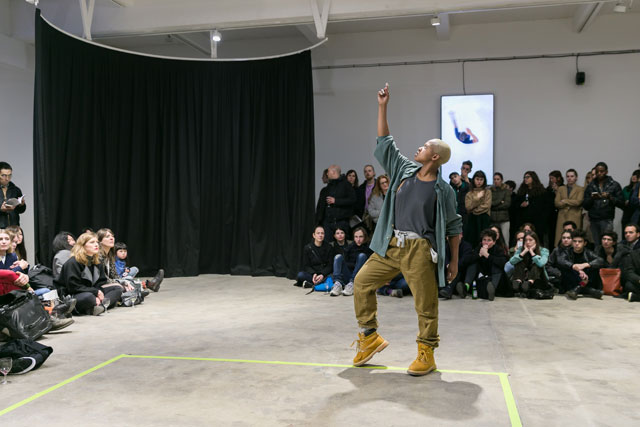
(631, 237)
(397, 287)
(478, 204)
(336, 202)
(465, 256)
(500, 242)
(552, 267)
(634, 203)
(84, 278)
(19, 280)
(21, 250)
(461, 188)
(378, 194)
(528, 273)
(631, 276)
(519, 245)
(346, 267)
(500, 204)
(107, 239)
(123, 271)
(627, 192)
(62, 245)
(487, 261)
(580, 269)
(528, 227)
(340, 241)
(609, 251)
(317, 261)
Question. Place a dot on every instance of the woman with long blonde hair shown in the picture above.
(83, 276)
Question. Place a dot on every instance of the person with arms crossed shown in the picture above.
(417, 217)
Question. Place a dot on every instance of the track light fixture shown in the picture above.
(216, 36)
(620, 7)
(435, 21)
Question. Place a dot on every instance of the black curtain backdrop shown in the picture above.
(199, 166)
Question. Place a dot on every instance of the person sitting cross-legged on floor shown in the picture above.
(317, 261)
(631, 276)
(465, 256)
(580, 269)
(488, 261)
(346, 267)
(529, 274)
(397, 287)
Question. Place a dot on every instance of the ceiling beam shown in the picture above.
(585, 15)
(443, 30)
(320, 19)
(309, 32)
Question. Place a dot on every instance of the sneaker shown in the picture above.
(491, 291)
(57, 323)
(154, 284)
(424, 363)
(98, 310)
(307, 284)
(597, 294)
(572, 294)
(348, 290)
(445, 293)
(336, 290)
(22, 365)
(298, 284)
(462, 289)
(633, 297)
(396, 293)
(367, 347)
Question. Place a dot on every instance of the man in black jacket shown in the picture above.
(580, 269)
(631, 275)
(317, 261)
(9, 213)
(487, 260)
(336, 202)
(601, 197)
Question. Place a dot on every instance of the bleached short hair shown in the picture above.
(442, 149)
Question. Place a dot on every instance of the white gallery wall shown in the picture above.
(16, 116)
(543, 120)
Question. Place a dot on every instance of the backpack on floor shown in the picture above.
(23, 316)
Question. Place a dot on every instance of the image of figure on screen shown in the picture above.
(465, 137)
(466, 124)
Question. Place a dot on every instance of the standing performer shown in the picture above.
(417, 216)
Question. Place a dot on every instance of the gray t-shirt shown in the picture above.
(415, 208)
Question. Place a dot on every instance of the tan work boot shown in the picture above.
(424, 363)
(367, 347)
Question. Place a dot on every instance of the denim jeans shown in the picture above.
(341, 271)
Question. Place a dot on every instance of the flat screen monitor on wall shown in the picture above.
(466, 123)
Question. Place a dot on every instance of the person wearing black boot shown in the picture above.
(631, 276)
(580, 269)
(465, 255)
(528, 273)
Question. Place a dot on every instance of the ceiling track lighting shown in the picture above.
(620, 7)
(435, 21)
(216, 36)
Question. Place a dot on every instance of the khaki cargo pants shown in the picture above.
(415, 264)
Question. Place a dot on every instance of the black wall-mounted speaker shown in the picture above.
(580, 77)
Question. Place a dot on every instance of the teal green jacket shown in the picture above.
(399, 168)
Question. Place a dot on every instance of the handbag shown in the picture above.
(23, 316)
(611, 281)
(41, 277)
(134, 297)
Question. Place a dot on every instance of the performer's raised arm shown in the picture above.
(383, 101)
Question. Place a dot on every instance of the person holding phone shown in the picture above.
(601, 197)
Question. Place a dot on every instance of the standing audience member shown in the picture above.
(500, 204)
(84, 278)
(366, 188)
(630, 194)
(531, 202)
(465, 170)
(345, 267)
(569, 202)
(325, 176)
(555, 181)
(12, 202)
(335, 205)
(513, 212)
(580, 269)
(461, 189)
(62, 245)
(377, 198)
(529, 273)
(488, 261)
(352, 177)
(601, 197)
(478, 204)
(317, 261)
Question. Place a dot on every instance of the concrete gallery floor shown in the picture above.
(222, 350)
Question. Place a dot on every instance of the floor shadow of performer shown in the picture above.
(430, 395)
